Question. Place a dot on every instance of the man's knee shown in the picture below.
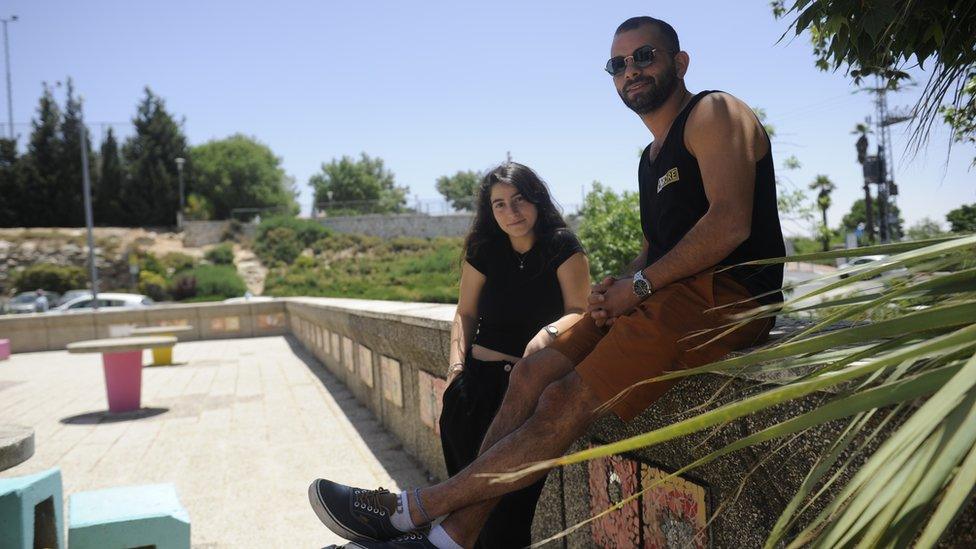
(568, 399)
(533, 373)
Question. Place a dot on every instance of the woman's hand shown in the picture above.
(454, 371)
(539, 342)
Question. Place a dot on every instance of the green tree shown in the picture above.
(10, 184)
(925, 228)
(40, 173)
(963, 218)
(240, 172)
(460, 189)
(824, 186)
(962, 119)
(360, 186)
(67, 207)
(107, 206)
(858, 215)
(884, 38)
(151, 189)
(610, 230)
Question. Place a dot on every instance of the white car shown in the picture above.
(105, 301)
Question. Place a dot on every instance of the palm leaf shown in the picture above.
(912, 486)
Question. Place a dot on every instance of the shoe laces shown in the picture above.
(369, 500)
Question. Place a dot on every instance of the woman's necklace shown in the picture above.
(521, 259)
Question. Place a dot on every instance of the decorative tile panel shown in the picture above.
(674, 511)
(391, 378)
(326, 341)
(366, 365)
(347, 356)
(174, 322)
(613, 479)
(271, 321)
(225, 324)
(430, 391)
(335, 347)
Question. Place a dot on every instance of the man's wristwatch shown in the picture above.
(552, 330)
(642, 286)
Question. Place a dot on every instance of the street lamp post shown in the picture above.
(179, 214)
(6, 56)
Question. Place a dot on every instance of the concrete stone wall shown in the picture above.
(202, 233)
(414, 225)
(390, 226)
(394, 356)
(52, 332)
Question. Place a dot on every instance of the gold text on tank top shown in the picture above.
(667, 179)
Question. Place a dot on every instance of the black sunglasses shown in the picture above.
(642, 57)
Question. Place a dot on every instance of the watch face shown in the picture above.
(641, 287)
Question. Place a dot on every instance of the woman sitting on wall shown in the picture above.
(524, 280)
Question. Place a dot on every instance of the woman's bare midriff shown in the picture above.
(491, 355)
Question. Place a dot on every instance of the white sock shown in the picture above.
(441, 539)
(401, 519)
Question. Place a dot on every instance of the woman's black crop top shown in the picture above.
(522, 293)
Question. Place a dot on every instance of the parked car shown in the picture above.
(72, 294)
(864, 260)
(26, 302)
(84, 303)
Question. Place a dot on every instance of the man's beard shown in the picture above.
(655, 93)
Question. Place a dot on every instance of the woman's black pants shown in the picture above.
(470, 403)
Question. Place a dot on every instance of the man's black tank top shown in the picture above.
(672, 200)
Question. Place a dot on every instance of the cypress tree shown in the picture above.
(108, 208)
(150, 193)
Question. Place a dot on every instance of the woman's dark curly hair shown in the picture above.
(484, 228)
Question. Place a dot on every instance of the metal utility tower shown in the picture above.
(885, 179)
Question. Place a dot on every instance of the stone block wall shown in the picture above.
(52, 332)
(394, 356)
(394, 225)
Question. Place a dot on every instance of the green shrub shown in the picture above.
(54, 278)
(279, 244)
(306, 230)
(422, 270)
(356, 243)
(149, 262)
(177, 261)
(610, 230)
(153, 285)
(221, 254)
(209, 282)
(234, 231)
(184, 287)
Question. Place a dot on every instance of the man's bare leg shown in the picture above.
(565, 409)
(529, 378)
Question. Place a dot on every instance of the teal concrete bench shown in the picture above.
(127, 517)
(30, 511)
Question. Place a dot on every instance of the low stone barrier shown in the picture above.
(51, 332)
(394, 356)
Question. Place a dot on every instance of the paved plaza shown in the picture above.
(240, 427)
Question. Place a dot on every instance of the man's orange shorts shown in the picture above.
(651, 340)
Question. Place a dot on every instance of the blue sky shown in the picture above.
(436, 87)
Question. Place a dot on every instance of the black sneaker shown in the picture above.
(354, 513)
(412, 540)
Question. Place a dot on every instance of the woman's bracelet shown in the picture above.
(456, 367)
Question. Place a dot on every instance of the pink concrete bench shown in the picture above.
(4, 349)
(122, 362)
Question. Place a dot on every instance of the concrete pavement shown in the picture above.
(240, 428)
